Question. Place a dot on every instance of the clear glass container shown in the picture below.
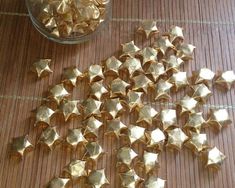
(69, 21)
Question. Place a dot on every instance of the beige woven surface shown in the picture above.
(208, 24)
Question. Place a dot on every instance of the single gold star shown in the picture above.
(195, 122)
(226, 79)
(132, 65)
(58, 183)
(146, 114)
(113, 107)
(201, 92)
(126, 155)
(185, 51)
(204, 75)
(173, 63)
(118, 88)
(95, 73)
(141, 83)
(156, 138)
(92, 126)
(176, 138)
(215, 158)
(97, 178)
(162, 44)
(134, 99)
(168, 118)
(154, 182)
(93, 151)
(187, 105)
(148, 54)
(129, 49)
(75, 137)
(149, 161)
(69, 109)
(58, 93)
(149, 28)
(91, 107)
(76, 169)
(176, 34)
(112, 66)
(43, 115)
(155, 70)
(179, 79)
(115, 126)
(197, 143)
(162, 90)
(136, 133)
(98, 90)
(71, 76)
(41, 67)
(130, 179)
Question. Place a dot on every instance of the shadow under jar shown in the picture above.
(69, 21)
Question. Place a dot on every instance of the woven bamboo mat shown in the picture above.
(208, 24)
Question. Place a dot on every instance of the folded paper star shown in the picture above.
(226, 79)
(176, 138)
(43, 115)
(195, 122)
(129, 49)
(49, 137)
(112, 66)
(203, 75)
(126, 155)
(71, 76)
(132, 65)
(149, 161)
(173, 63)
(141, 83)
(92, 126)
(118, 88)
(115, 126)
(197, 143)
(146, 114)
(176, 34)
(95, 73)
(59, 183)
(168, 118)
(91, 107)
(130, 179)
(179, 79)
(154, 182)
(58, 93)
(185, 51)
(201, 92)
(75, 137)
(215, 158)
(148, 55)
(93, 151)
(97, 90)
(155, 70)
(76, 169)
(69, 109)
(156, 139)
(134, 100)
(136, 133)
(41, 67)
(113, 108)
(97, 178)
(187, 105)
(149, 28)
(162, 44)
(162, 90)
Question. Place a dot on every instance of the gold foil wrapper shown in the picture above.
(132, 65)
(118, 88)
(112, 66)
(69, 109)
(113, 108)
(155, 70)
(173, 63)
(92, 126)
(149, 28)
(187, 105)
(93, 151)
(126, 155)
(71, 76)
(115, 126)
(136, 133)
(58, 93)
(185, 51)
(134, 100)
(42, 67)
(95, 73)
(58, 183)
(148, 55)
(75, 137)
(155, 138)
(197, 142)
(162, 90)
(176, 138)
(129, 49)
(130, 179)
(141, 83)
(150, 161)
(214, 158)
(146, 114)
(98, 90)
(179, 79)
(97, 178)
(91, 107)
(168, 118)
(76, 169)
(195, 122)
(43, 115)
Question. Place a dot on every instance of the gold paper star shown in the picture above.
(118, 88)
(93, 150)
(132, 65)
(112, 66)
(141, 83)
(201, 92)
(215, 158)
(179, 80)
(155, 70)
(58, 183)
(173, 63)
(219, 118)
(76, 168)
(150, 161)
(130, 179)
(156, 138)
(195, 122)
(115, 126)
(204, 75)
(113, 107)
(97, 178)
(92, 126)
(43, 115)
(149, 28)
(185, 51)
(49, 137)
(129, 49)
(197, 143)
(176, 138)
(75, 137)
(162, 90)
(71, 76)
(125, 156)
(91, 107)
(146, 114)
(162, 44)
(168, 118)
(187, 105)
(20, 146)
(41, 67)
(95, 73)
(154, 182)
(58, 93)
(70, 109)
(176, 34)
(148, 54)
(98, 90)
(226, 79)
(134, 99)
(136, 133)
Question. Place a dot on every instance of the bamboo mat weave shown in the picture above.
(208, 24)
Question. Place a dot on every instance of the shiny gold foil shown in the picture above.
(150, 160)
(113, 108)
(154, 182)
(162, 44)
(92, 126)
(97, 90)
(95, 73)
(201, 92)
(134, 100)
(195, 122)
(129, 49)
(58, 93)
(155, 70)
(141, 83)
(91, 107)
(179, 79)
(149, 28)
(155, 138)
(43, 115)
(69, 109)
(130, 179)
(176, 34)
(215, 158)
(187, 105)
(76, 169)
(93, 150)
(75, 137)
(59, 183)
(203, 75)
(146, 114)
(132, 65)
(118, 88)
(42, 67)
(115, 126)
(136, 133)
(148, 54)
(173, 63)
(112, 66)
(97, 178)
(162, 90)
(197, 142)
(168, 118)
(176, 138)
(126, 155)
(71, 76)
(185, 51)
(226, 79)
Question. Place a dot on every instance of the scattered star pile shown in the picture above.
(136, 73)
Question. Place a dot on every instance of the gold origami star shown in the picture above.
(126, 155)
(58, 183)
(91, 107)
(132, 65)
(156, 138)
(187, 105)
(98, 90)
(168, 118)
(195, 122)
(197, 143)
(149, 28)
(76, 169)
(136, 133)
(162, 90)
(134, 99)
(118, 88)
(226, 79)
(130, 179)
(71, 76)
(219, 118)
(129, 49)
(113, 107)
(112, 66)
(150, 160)
(176, 138)
(41, 67)
(75, 137)
(154, 182)
(20, 146)
(49, 137)
(69, 109)
(176, 34)
(204, 75)
(93, 151)
(148, 54)
(146, 114)
(97, 178)
(155, 70)
(215, 158)
(201, 92)
(92, 126)
(179, 79)
(95, 73)
(58, 93)
(115, 126)
(141, 83)
(173, 63)
(43, 115)
(162, 44)
(185, 51)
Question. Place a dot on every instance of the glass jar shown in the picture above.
(69, 21)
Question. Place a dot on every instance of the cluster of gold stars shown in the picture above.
(155, 68)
